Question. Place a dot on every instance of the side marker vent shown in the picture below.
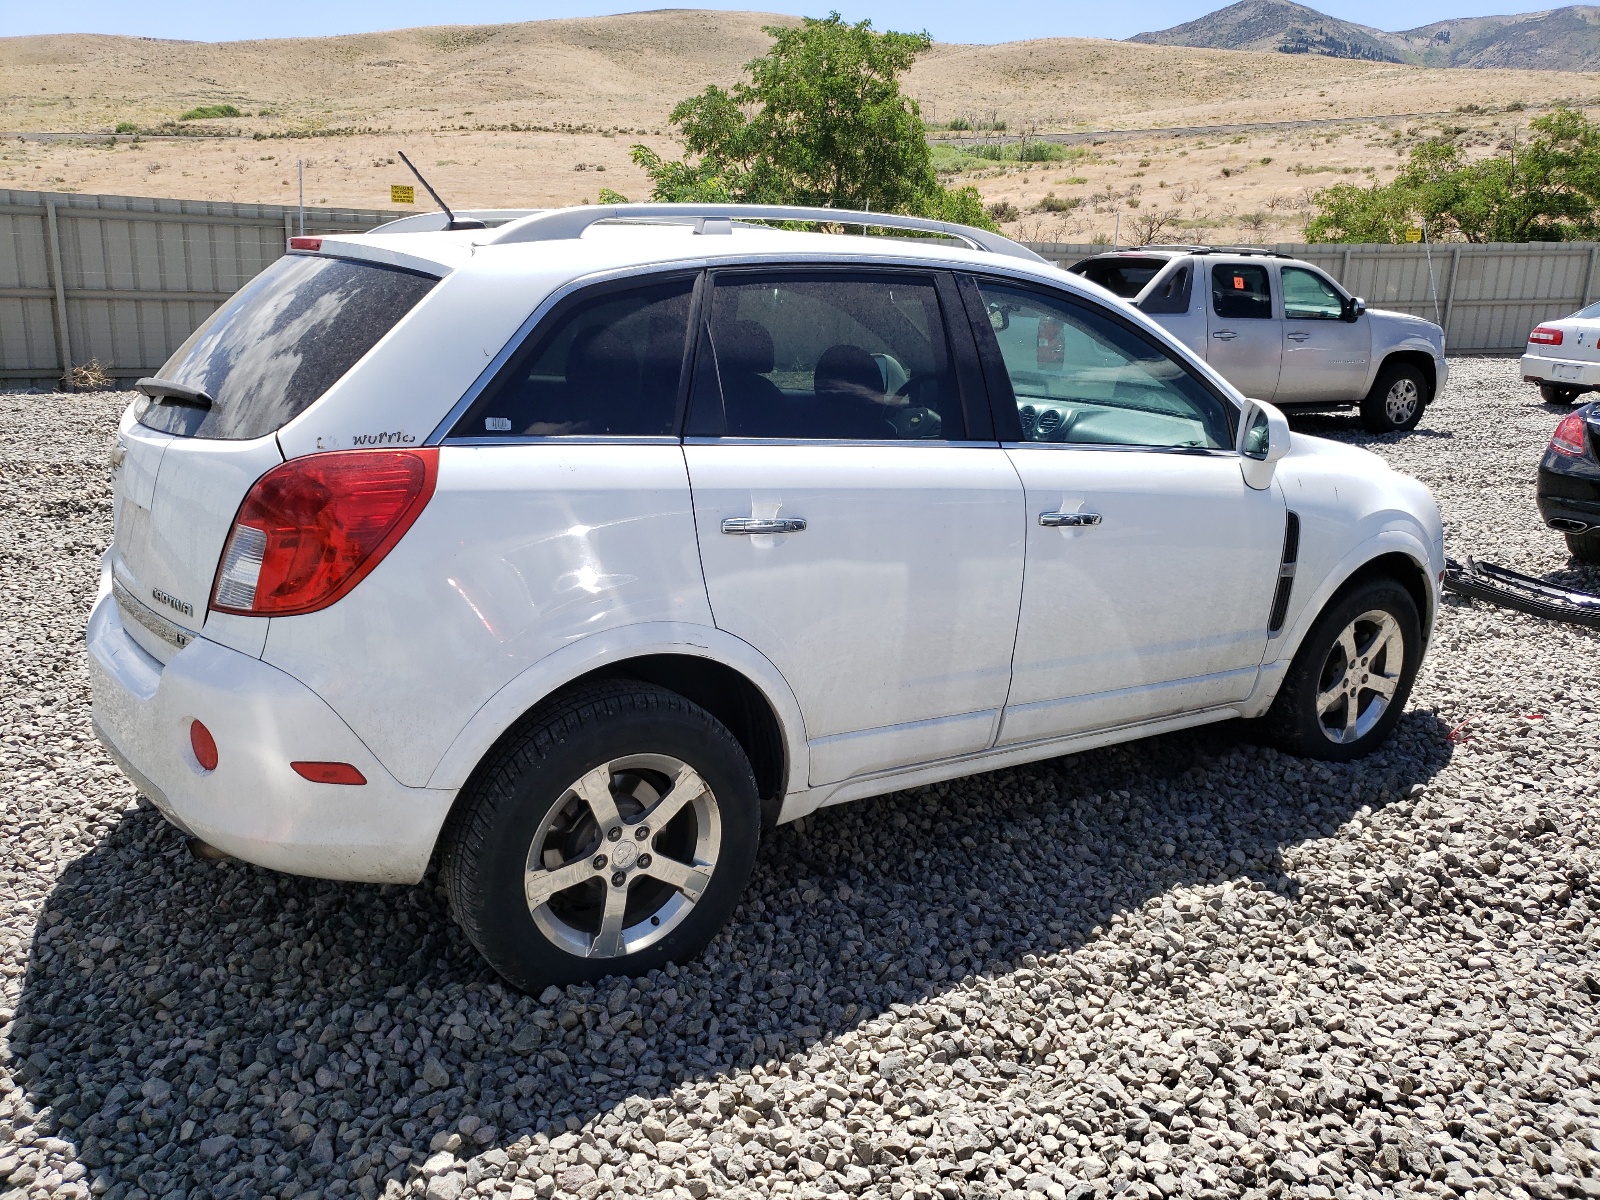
(1291, 554)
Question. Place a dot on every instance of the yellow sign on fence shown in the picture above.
(1412, 235)
(402, 193)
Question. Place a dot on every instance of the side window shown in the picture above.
(1307, 296)
(830, 355)
(604, 366)
(1239, 291)
(1084, 378)
(1170, 295)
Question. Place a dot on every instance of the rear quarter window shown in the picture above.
(1122, 276)
(280, 342)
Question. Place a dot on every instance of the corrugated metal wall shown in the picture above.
(122, 280)
(1487, 297)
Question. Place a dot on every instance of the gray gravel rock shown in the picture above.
(1189, 967)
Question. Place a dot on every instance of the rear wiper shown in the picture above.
(170, 389)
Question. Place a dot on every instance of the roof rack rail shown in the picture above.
(564, 223)
(430, 222)
(1262, 251)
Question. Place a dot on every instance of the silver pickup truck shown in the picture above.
(1281, 330)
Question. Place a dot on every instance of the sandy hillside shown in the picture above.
(545, 112)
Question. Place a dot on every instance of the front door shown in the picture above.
(1325, 357)
(1244, 339)
(1150, 564)
(848, 528)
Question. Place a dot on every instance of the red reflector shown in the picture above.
(305, 243)
(1568, 439)
(312, 528)
(1545, 336)
(328, 772)
(203, 745)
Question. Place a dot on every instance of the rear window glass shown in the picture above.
(280, 342)
(1125, 277)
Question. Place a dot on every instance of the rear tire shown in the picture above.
(1555, 393)
(1585, 547)
(1350, 679)
(611, 834)
(1396, 400)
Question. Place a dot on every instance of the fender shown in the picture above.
(1397, 538)
(604, 649)
(1409, 343)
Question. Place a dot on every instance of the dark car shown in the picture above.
(1569, 482)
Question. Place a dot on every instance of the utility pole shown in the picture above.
(300, 165)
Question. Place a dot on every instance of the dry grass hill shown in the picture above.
(544, 113)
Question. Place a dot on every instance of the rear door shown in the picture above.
(188, 451)
(1245, 336)
(856, 524)
(1325, 357)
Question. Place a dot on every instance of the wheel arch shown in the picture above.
(721, 673)
(1415, 358)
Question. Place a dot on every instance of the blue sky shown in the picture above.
(947, 20)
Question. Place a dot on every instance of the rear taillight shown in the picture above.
(312, 528)
(1545, 336)
(1568, 439)
(305, 243)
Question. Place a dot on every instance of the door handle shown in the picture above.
(758, 525)
(1299, 335)
(1224, 335)
(1061, 520)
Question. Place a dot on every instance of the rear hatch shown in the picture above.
(204, 428)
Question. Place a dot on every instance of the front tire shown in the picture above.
(1396, 400)
(1585, 547)
(611, 834)
(1351, 677)
(1555, 393)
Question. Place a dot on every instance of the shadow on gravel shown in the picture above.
(226, 1029)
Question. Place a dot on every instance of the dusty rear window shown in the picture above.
(278, 343)
(1125, 277)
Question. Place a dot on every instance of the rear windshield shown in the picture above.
(280, 342)
(1125, 277)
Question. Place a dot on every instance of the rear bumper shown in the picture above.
(253, 805)
(1568, 372)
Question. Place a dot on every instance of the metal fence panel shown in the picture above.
(122, 280)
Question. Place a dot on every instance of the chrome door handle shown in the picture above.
(753, 525)
(1224, 335)
(1061, 520)
(1299, 335)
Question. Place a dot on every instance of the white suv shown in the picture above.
(571, 550)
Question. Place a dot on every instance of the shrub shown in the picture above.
(959, 123)
(207, 112)
(1059, 204)
(1003, 210)
(87, 377)
(127, 127)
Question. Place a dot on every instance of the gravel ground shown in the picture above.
(1186, 966)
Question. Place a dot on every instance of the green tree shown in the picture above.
(819, 120)
(1546, 189)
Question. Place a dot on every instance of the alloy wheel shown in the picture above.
(1402, 401)
(1360, 676)
(623, 855)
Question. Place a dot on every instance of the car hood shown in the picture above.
(1409, 321)
(1333, 454)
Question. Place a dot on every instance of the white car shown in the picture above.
(571, 550)
(1563, 357)
(1279, 329)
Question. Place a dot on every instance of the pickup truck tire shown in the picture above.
(1556, 393)
(553, 862)
(1351, 677)
(1585, 547)
(1396, 400)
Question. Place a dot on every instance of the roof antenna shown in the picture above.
(453, 221)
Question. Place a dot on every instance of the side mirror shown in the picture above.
(1263, 440)
(1354, 307)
